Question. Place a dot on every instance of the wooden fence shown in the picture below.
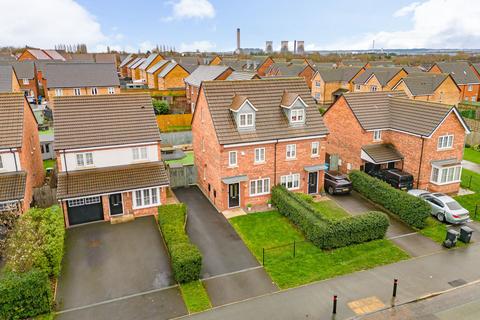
(174, 122)
(182, 175)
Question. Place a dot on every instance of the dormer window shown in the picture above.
(297, 116)
(294, 108)
(243, 112)
(246, 120)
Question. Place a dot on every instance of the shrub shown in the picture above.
(467, 145)
(476, 147)
(323, 233)
(185, 257)
(412, 210)
(160, 106)
(24, 295)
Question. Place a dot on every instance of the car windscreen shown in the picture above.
(454, 205)
(406, 178)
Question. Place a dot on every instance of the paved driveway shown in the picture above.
(116, 263)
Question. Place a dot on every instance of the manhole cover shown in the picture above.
(457, 283)
(94, 243)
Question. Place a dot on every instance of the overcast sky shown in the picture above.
(211, 24)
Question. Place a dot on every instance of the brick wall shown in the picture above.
(84, 91)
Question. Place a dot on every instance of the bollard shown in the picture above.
(334, 304)
(263, 256)
(395, 284)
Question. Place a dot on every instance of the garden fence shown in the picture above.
(174, 122)
(182, 175)
(176, 138)
(291, 249)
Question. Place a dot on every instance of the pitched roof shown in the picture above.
(137, 63)
(288, 69)
(424, 84)
(237, 65)
(72, 75)
(86, 57)
(288, 98)
(39, 54)
(460, 71)
(381, 63)
(134, 61)
(23, 69)
(12, 185)
(353, 63)
(104, 120)
(338, 74)
(242, 75)
(266, 96)
(6, 75)
(382, 74)
(382, 153)
(169, 68)
(127, 60)
(393, 110)
(205, 73)
(111, 179)
(157, 66)
(11, 120)
(106, 58)
(54, 55)
(237, 102)
(148, 61)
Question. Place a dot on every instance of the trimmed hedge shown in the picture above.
(412, 210)
(185, 257)
(24, 295)
(323, 233)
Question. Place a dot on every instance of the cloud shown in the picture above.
(146, 46)
(203, 45)
(435, 24)
(188, 9)
(67, 22)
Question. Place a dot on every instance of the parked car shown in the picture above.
(337, 183)
(394, 177)
(445, 208)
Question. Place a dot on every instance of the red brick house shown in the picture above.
(249, 135)
(123, 67)
(203, 73)
(463, 75)
(109, 166)
(21, 166)
(27, 77)
(387, 129)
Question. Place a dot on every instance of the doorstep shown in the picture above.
(122, 218)
(235, 212)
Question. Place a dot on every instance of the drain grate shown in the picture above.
(457, 283)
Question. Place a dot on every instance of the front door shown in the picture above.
(116, 206)
(312, 182)
(233, 195)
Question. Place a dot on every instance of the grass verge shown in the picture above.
(471, 155)
(270, 229)
(470, 180)
(187, 160)
(330, 210)
(195, 296)
(437, 231)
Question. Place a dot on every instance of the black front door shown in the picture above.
(312, 182)
(116, 206)
(233, 195)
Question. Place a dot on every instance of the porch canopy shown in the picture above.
(234, 179)
(314, 168)
(380, 153)
(446, 163)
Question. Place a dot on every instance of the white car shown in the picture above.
(445, 208)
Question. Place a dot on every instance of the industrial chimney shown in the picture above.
(238, 40)
(269, 46)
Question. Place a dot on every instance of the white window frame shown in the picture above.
(291, 181)
(297, 116)
(445, 142)
(315, 149)
(25, 81)
(1, 163)
(139, 153)
(373, 88)
(77, 92)
(358, 87)
(262, 183)
(58, 92)
(146, 198)
(317, 84)
(84, 160)
(470, 88)
(259, 155)
(446, 175)
(230, 162)
(474, 99)
(84, 201)
(111, 90)
(94, 91)
(248, 119)
(377, 135)
(291, 151)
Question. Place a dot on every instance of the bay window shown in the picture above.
(146, 198)
(445, 175)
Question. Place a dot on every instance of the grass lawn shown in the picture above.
(48, 164)
(330, 210)
(470, 180)
(195, 296)
(437, 231)
(187, 160)
(471, 155)
(270, 229)
(49, 131)
(179, 128)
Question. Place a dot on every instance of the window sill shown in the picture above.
(315, 156)
(444, 183)
(147, 206)
(445, 149)
(259, 163)
(232, 167)
(290, 159)
(259, 195)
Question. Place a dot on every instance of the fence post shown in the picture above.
(263, 256)
(294, 248)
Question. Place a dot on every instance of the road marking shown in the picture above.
(403, 235)
(232, 273)
(115, 299)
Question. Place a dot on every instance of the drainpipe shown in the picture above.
(275, 164)
(66, 167)
(421, 159)
(14, 159)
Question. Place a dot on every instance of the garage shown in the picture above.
(83, 210)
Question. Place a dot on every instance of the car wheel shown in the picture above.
(330, 190)
(441, 217)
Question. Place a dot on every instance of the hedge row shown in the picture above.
(323, 233)
(33, 254)
(185, 257)
(412, 210)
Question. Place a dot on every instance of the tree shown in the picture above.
(160, 106)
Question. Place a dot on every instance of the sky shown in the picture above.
(210, 25)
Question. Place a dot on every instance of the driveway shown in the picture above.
(398, 232)
(108, 266)
(230, 272)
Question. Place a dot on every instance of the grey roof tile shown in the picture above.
(205, 73)
(73, 75)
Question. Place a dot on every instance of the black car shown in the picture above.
(394, 177)
(337, 183)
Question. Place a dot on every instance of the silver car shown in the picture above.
(445, 208)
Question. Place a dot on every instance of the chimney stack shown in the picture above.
(238, 40)
(294, 46)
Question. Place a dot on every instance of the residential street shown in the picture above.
(475, 167)
(417, 277)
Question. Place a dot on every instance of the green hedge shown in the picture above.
(185, 256)
(24, 295)
(412, 210)
(323, 233)
(37, 241)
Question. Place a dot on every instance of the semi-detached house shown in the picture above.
(370, 131)
(464, 76)
(108, 157)
(249, 135)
